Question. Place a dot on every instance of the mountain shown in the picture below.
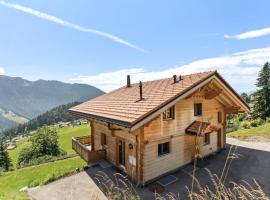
(21, 100)
(53, 116)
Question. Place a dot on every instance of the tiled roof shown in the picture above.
(198, 127)
(123, 104)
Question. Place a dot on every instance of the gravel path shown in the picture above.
(76, 187)
(263, 146)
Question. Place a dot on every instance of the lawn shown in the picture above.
(254, 133)
(12, 182)
(65, 135)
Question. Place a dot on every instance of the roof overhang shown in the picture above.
(160, 109)
(100, 118)
(188, 92)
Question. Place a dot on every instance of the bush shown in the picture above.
(254, 123)
(260, 121)
(246, 124)
(42, 159)
(267, 120)
(43, 148)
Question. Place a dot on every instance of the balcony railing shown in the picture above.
(82, 145)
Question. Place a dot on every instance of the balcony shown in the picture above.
(82, 146)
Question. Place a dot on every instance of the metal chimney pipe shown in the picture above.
(128, 80)
(174, 79)
(141, 92)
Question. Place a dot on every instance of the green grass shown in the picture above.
(246, 134)
(65, 135)
(12, 182)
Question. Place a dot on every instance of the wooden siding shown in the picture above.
(181, 144)
(211, 147)
(113, 134)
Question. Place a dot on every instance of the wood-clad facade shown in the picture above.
(160, 142)
(140, 157)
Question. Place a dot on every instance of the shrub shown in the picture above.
(254, 123)
(43, 159)
(246, 124)
(267, 120)
(43, 148)
(260, 121)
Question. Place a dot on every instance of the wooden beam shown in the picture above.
(141, 153)
(92, 136)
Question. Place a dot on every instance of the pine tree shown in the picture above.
(261, 101)
(246, 97)
(5, 162)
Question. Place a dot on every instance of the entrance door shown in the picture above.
(121, 152)
(219, 138)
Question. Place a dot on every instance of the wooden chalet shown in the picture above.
(149, 129)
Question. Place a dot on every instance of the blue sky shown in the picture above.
(99, 42)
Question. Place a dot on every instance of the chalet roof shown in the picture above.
(199, 127)
(124, 107)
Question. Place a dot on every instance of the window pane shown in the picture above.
(169, 113)
(166, 148)
(197, 109)
(207, 138)
(163, 148)
(219, 117)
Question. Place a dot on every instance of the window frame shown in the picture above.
(196, 113)
(206, 135)
(171, 114)
(163, 153)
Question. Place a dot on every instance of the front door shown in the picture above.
(121, 152)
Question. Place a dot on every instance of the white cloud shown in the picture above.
(239, 69)
(2, 71)
(69, 24)
(250, 34)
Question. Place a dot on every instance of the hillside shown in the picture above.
(22, 99)
(11, 182)
(53, 116)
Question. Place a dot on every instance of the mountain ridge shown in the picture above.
(29, 99)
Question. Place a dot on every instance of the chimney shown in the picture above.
(128, 81)
(141, 92)
(174, 79)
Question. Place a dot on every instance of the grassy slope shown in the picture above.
(65, 135)
(12, 182)
(243, 134)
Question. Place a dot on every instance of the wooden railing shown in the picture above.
(79, 144)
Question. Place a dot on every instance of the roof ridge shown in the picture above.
(148, 81)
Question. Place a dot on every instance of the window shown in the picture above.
(206, 138)
(219, 117)
(169, 113)
(197, 109)
(103, 139)
(163, 148)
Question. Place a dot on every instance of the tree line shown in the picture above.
(57, 114)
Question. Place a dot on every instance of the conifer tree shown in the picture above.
(5, 162)
(261, 100)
